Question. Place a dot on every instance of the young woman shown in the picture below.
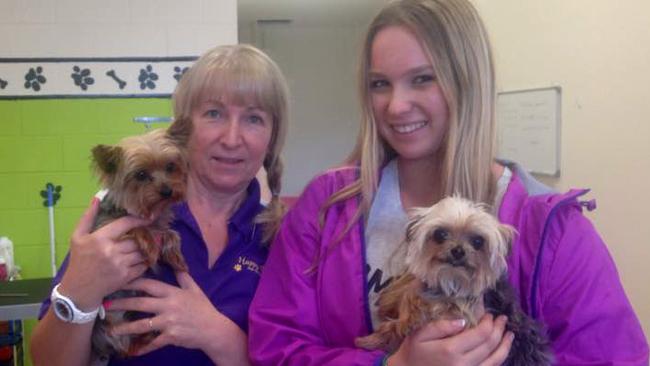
(428, 99)
(230, 117)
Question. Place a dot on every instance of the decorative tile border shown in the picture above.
(45, 78)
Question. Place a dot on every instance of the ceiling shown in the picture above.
(308, 12)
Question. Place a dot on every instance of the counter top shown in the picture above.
(22, 299)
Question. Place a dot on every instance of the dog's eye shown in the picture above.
(170, 167)
(477, 242)
(141, 176)
(440, 235)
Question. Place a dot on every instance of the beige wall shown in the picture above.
(598, 51)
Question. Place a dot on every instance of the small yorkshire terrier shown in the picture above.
(455, 268)
(144, 175)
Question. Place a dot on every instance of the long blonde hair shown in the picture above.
(240, 73)
(456, 42)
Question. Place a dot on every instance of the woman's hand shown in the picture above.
(444, 342)
(185, 317)
(99, 264)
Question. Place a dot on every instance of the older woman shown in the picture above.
(231, 119)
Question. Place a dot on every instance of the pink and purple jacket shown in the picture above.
(559, 266)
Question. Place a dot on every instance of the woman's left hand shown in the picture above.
(182, 315)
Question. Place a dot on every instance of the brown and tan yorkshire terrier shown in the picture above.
(143, 175)
(455, 268)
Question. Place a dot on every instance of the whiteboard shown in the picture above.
(528, 128)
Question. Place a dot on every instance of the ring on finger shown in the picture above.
(150, 323)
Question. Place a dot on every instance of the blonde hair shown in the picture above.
(455, 40)
(241, 74)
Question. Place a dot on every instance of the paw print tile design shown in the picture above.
(147, 78)
(82, 77)
(179, 72)
(34, 78)
(55, 191)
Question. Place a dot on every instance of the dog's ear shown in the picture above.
(107, 158)
(504, 236)
(507, 234)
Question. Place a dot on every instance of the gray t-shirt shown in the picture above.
(386, 228)
(384, 232)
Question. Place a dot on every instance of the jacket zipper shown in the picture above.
(545, 233)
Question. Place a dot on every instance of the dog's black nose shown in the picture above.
(458, 253)
(166, 192)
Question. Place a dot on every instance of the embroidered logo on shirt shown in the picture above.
(248, 264)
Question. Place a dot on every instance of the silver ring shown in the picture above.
(151, 323)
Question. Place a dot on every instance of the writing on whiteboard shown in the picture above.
(529, 129)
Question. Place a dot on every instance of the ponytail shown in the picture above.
(272, 215)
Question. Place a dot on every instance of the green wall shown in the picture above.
(45, 141)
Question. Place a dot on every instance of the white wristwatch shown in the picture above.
(68, 312)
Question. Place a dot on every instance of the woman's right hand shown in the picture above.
(99, 263)
(444, 342)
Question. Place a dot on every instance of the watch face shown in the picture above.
(63, 310)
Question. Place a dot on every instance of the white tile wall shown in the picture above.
(116, 28)
(183, 39)
(143, 11)
(181, 11)
(91, 11)
(34, 11)
(29, 40)
(218, 11)
(216, 35)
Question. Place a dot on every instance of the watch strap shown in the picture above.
(77, 316)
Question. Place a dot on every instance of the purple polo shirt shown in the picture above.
(229, 284)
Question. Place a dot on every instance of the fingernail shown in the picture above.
(107, 304)
(511, 336)
(460, 323)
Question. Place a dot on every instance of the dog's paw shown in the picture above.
(172, 239)
(371, 342)
(148, 242)
(175, 259)
(171, 253)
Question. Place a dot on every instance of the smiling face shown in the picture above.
(407, 102)
(227, 144)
